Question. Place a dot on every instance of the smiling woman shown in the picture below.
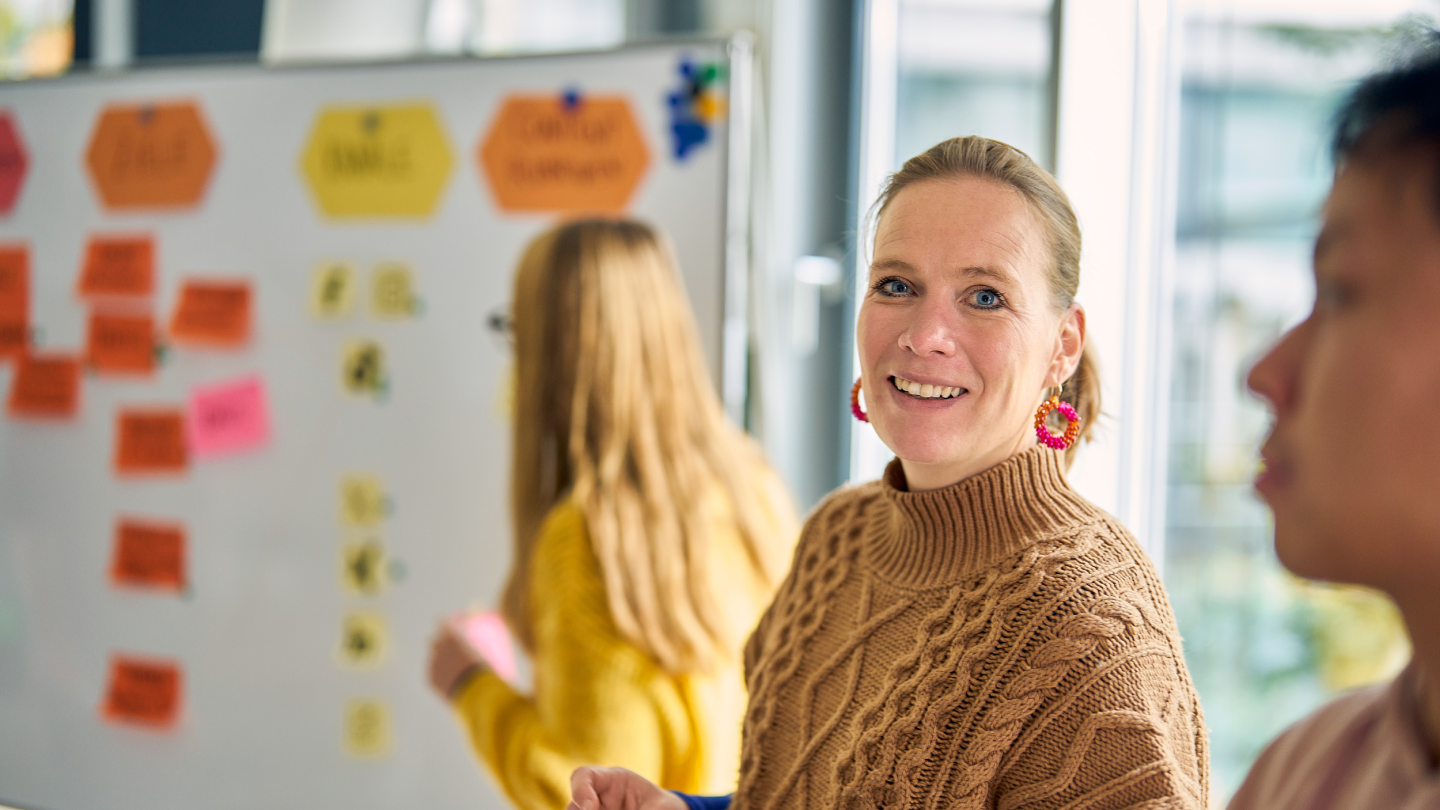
(966, 632)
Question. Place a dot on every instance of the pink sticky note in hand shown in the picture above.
(487, 633)
(227, 418)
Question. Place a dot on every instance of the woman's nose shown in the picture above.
(1275, 377)
(932, 331)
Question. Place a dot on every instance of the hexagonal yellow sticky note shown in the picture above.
(381, 161)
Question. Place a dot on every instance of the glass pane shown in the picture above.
(974, 67)
(1258, 93)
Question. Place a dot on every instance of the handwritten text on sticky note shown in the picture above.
(332, 290)
(149, 555)
(363, 639)
(228, 418)
(150, 440)
(120, 344)
(212, 313)
(367, 728)
(45, 386)
(14, 300)
(118, 266)
(144, 691)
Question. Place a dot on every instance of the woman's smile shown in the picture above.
(926, 390)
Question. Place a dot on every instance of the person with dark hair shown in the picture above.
(1352, 459)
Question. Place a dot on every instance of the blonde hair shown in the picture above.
(974, 156)
(615, 410)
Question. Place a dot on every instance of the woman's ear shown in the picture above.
(1069, 345)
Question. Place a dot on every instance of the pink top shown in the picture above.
(1365, 750)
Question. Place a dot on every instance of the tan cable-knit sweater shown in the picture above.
(999, 643)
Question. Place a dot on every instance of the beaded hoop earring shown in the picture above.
(855, 409)
(1042, 430)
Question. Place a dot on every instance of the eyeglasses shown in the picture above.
(500, 325)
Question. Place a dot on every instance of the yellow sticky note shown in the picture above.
(380, 161)
(362, 371)
(367, 728)
(392, 291)
(362, 500)
(332, 290)
(363, 640)
(363, 567)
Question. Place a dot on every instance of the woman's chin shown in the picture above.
(916, 445)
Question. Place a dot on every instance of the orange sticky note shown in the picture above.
(118, 266)
(45, 386)
(145, 691)
(14, 300)
(120, 344)
(212, 313)
(150, 441)
(149, 554)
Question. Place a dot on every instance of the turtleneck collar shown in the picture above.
(933, 538)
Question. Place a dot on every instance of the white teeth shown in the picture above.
(926, 391)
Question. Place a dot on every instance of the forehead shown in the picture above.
(1384, 216)
(967, 220)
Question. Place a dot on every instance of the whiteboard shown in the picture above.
(258, 631)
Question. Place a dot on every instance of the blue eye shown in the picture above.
(986, 299)
(893, 287)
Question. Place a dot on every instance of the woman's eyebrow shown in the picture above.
(895, 265)
(992, 273)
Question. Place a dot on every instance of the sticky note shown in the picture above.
(367, 728)
(362, 370)
(487, 633)
(362, 500)
(377, 161)
(120, 344)
(227, 418)
(14, 300)
(148, 555)
(363, 568)
(45, 386)
(118, 266)
(543, 154)
(151, 155)
(363, 640)
(212, 313)
(332, 290)
(392, 292)
(150, 440)
(144, 691)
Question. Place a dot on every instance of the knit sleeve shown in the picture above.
(1118, 725)
(598, 700)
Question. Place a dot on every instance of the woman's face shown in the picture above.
(1354, 454)
(959, 304)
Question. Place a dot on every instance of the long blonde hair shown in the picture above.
(974, 156)
(615, 410)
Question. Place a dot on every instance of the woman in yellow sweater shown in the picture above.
(648, 533)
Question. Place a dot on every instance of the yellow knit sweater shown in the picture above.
(598, 699)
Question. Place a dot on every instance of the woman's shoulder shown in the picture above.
(562, 548)
(849, 505)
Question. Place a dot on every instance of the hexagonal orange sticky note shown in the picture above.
(151, 155)
(383, 161)
(564, 154)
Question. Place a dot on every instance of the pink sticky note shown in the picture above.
(487, 633)
(227, 418)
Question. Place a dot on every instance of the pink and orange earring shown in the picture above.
(1042, 430)
(855, 408)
